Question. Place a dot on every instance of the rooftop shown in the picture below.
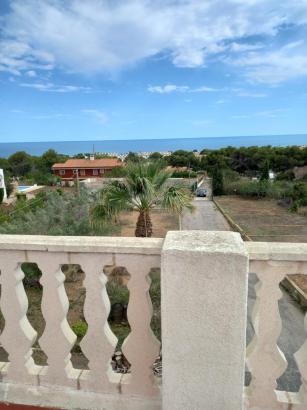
(88, 163)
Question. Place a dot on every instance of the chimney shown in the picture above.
(92, 157)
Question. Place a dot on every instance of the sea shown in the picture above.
(149, 145)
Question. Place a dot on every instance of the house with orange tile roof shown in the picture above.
(85, 168)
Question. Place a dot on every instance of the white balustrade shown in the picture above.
(92, 254)
(203, 323)
(271, 262)
(18, 335)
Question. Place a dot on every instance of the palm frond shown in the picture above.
(177, 199)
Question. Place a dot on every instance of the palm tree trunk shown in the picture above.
(143, 226)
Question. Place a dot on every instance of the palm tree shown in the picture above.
(144, 188)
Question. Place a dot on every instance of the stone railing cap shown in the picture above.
(82, 244)
(278, 251)
(205, 241)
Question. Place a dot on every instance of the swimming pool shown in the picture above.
(22, 188)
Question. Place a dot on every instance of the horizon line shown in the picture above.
(156, 139)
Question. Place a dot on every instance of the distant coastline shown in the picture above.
(149, 145)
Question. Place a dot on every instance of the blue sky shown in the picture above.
(108, 69)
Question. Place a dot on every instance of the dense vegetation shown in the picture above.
(53, 213)
(244, 160)
(231, 168)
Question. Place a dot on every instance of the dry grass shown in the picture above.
(264, 220)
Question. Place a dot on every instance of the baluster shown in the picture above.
(301, 359)
(264, 358)
(141, 347)
(18, 335)
(58, 338)
(99, 342)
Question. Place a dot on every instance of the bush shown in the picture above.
(184, 174)
(1, 195)
(21, 197)
(32, 274)
(247, 188)
(285, 176)
(55, 214)
(79, 328)
(298, 195)
(118, 172)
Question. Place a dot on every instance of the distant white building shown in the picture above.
(2, 183)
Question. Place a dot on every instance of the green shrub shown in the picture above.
(32, 274)
(118, 172)
(21, 197)
(184, 174)
(298, 194)
(247, 188)
(117, 293)
(54, 214)
(1, 195)
(79, 328)
(285, 176)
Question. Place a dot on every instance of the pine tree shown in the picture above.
(217, 181)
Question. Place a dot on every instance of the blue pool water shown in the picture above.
(22, 188)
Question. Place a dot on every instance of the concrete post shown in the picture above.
(204, 301)
(2, 184)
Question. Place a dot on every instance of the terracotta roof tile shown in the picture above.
(87, 163)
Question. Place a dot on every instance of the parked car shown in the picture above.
(201, 192)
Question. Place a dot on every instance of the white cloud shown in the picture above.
(50, 87)
(172, 88)
(99, 115)
(31, 73)
(275, 66)
(251, 94)
(240, 47)
(96, 36)
(167, 89)
(204, 90)
(17, 56)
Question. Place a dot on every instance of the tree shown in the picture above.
(144, 188)
(133, 157)
(183, 158)
(21, 163)
(49, 158)
(155, 156)
(265, 172)
(217, 181)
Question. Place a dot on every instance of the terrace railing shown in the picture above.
(271, 262)
(204, 277)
